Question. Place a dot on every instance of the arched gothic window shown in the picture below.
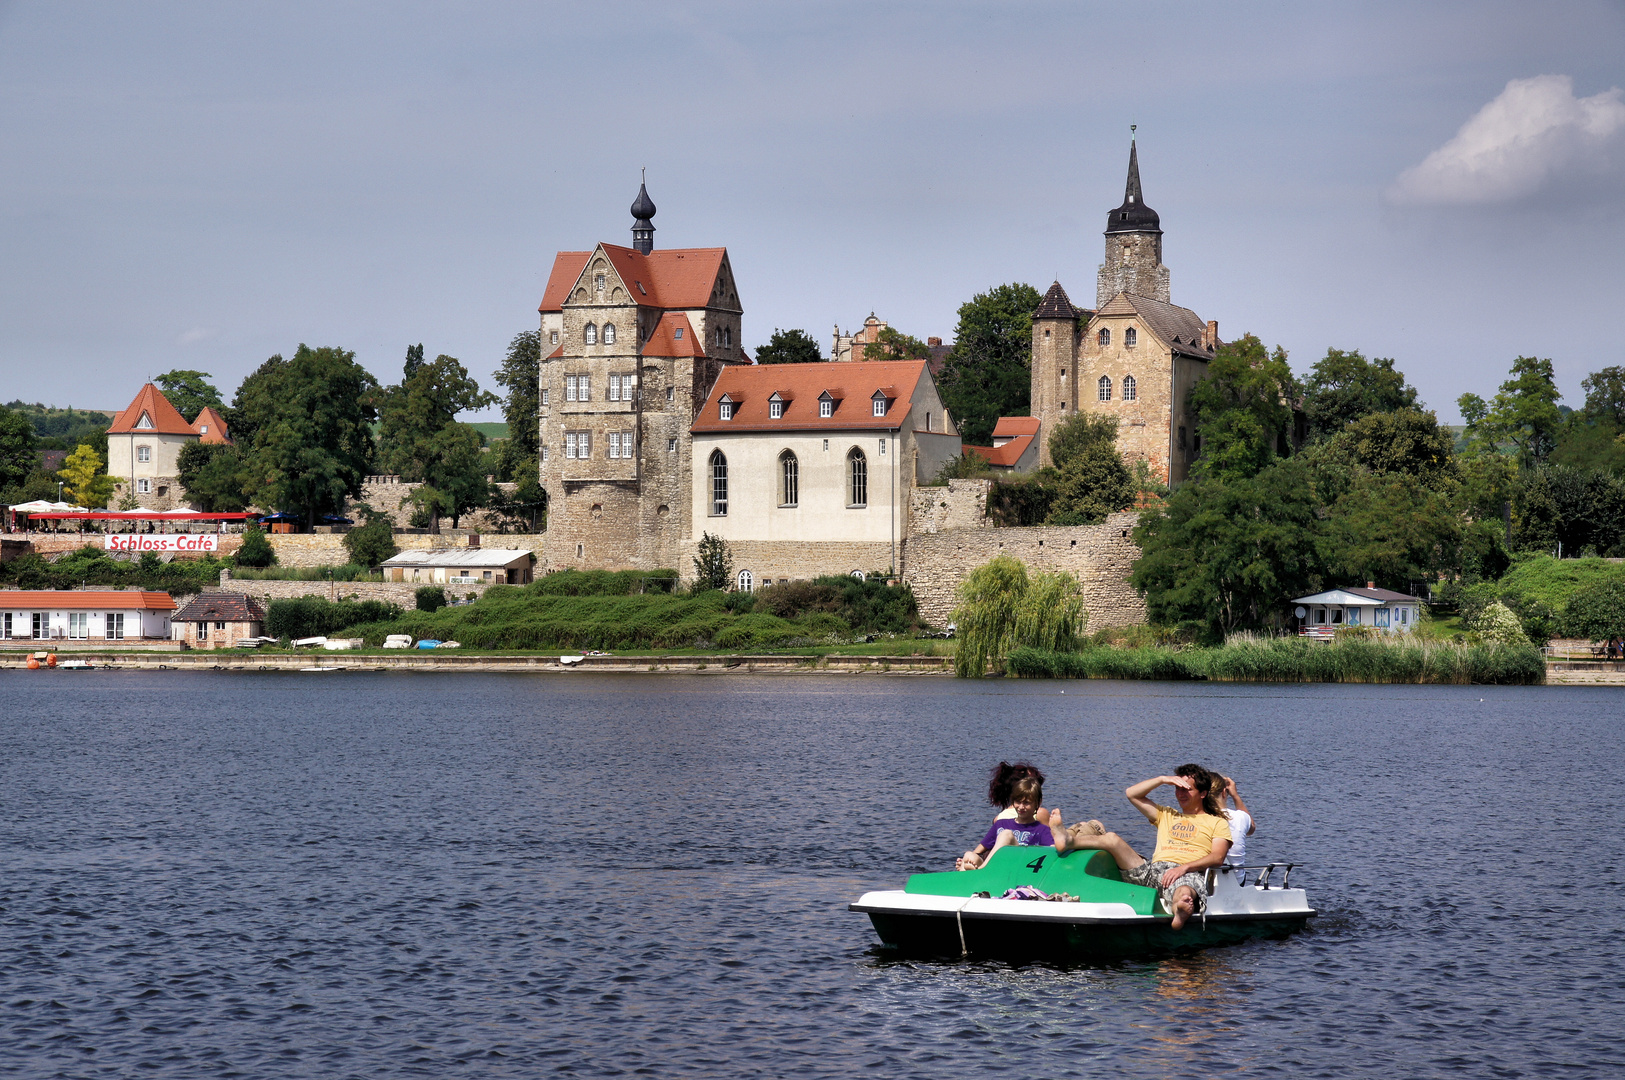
(857, 478)
(1104, 337)
(719, 484)
(744, 581)
(789, 479)
(1131, 337)
(609, 333)
(1105, 388)
(591, 334)
(1130, 390)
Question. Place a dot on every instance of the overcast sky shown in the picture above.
(203, 185)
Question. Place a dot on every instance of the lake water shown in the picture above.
(380, 875)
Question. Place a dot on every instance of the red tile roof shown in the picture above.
(75, 600)
(221, 607)
(673, 335)
(1009, 427)
(801, 385)
(216, 424)
(1008, 455)
(165, 419)
(679, 278)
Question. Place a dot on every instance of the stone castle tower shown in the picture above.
(1135, 357)
(632, 341)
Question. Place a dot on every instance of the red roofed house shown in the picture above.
(144, 448)
(808, 469)
(632, 341)
(84, 615)
(1015, 445)
(218, 620)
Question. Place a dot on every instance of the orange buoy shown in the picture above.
(33, 664)
(50, 661)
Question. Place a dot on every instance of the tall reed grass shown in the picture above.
(1245, 658)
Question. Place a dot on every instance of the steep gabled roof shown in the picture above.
(1055, 305)
(1011, 427)
(1007, 455)
(678, 278)
(673, 335)
(852, 386)
(166, 420)
(221, 607)
(1180, 329)
(211, 426)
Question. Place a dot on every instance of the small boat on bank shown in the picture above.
(964, 913)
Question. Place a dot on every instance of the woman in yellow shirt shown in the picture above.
(1189, 840)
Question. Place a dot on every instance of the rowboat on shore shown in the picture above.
(965, 913)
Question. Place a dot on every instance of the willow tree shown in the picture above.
(1002, 608)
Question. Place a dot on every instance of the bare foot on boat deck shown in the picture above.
(1184, 906)
(1088, 828)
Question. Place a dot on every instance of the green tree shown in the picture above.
(414, 415)
(1524, 416)
(790, 347)
(189, 391)
(1605, 395)
(414, 360)
(892, 344)
(312, 419)
(1400, 442)
(1390, 530)
(255, 404)
(1596, 612)
(1221, 555)
(18, 455)
(456, 471)
(713, 566)
(255, 550)
(211, 473)
(1243, 409)
(1001, 608)
(988, 373)
(372, 543)
(1091, 479)
(85, 482)
(1344, 386)
(430, 598)
(521, 408)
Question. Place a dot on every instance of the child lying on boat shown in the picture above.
(1189, 840)
(1023, 830)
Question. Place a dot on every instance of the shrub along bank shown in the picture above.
(633, 610)
(1407, 660)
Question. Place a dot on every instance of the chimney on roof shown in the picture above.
(473, 539)
(1210, 337)
(1371, 584)
(934, 342)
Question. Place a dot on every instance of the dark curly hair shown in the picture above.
(1005, 775)
(1209, 785)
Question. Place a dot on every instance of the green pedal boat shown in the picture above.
(960, 913)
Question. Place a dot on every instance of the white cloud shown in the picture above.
(195, 335)
(1535, 132)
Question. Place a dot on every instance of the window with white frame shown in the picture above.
(775, 406)
(1130, 388)
(880, 405)
(1104, 337)
(789, 479)
(5, 625)
(857, 478)
(744, 581)
(203, 631)
(145, 422)
(544, 453)
(143, 454)
(578, 444)
(553, 338)
(623, 387)
(725, 408)
(78, 624)
(609, 333)
(1105, 388)
(719, 484)
(620, 444)
(598, 282)
(544, 395)
(671, 446)
(590, 334)
(143, 486)
(113, 627)
(578, 388)
(826, 405)
(41, 624)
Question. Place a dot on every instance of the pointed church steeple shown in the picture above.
(1133, 216)
(643, 230)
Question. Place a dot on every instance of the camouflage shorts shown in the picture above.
(1150, 875)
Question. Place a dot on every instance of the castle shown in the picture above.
(655, 428)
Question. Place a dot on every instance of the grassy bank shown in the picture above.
(1292, 660)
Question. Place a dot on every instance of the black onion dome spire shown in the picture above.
(1133, 216)
(643, 230)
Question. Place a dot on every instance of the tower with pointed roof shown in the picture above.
(632, 341)
(144, 444)
(1133, 245)
(1135, 357)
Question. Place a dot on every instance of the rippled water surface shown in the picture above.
(377, 875)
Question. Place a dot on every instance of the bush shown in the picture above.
(372, 543)
(256, 550)
(312, 616)
(604, 583)
(430, 598)
(1497, 623)
(1002, 609)
(347, 572)
(1597, 612)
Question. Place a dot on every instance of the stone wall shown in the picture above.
(327, 549)
(960, 505)
(1099, 556)
(385, 494)
(393, 592)
(790, 560)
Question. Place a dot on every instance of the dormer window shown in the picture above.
(725, 408)
(144, 422)
(678, 333)
(775, 406)
(826, 405)
(879, 401)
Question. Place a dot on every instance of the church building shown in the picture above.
(1135, 356)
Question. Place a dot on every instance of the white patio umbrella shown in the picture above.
(38, 506)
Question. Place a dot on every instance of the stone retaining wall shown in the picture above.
(403, 593)
(790, 560)
(960, 505)
(1099, 556)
